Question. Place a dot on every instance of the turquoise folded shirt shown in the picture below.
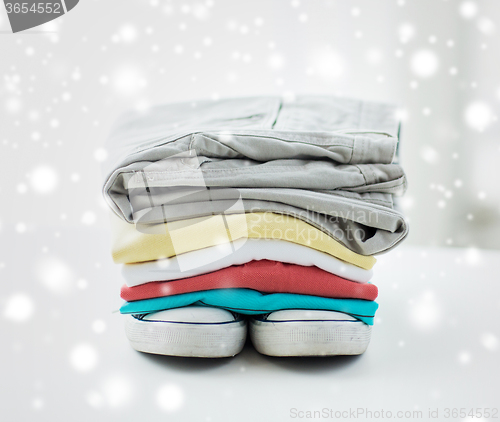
(252, 302)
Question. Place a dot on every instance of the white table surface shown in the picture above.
(435, 345)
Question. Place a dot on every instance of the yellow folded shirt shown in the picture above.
(131, 244)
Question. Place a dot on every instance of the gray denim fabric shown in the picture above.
(352, 225)
(319, 154)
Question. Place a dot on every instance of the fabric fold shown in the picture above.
(251, 302)
(133, 243)
(214, 258)
(264, 276)
(335, 216)
(329, 147)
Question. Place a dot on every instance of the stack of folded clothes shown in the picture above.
(253, 211)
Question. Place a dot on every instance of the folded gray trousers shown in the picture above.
(326, 160)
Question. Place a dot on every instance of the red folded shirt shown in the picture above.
(264, 276)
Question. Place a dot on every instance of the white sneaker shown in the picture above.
(193, 331)
(309, 333)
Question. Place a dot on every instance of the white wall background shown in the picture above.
(61, 90)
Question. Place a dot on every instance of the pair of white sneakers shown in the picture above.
(198, 331)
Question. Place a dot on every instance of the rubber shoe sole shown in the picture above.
(214, 339)
(309, 333)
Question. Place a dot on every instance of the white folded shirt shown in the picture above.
(239, 252)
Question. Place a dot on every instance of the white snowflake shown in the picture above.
(424, 63)
(486, 26)
(55, 274)
(13, 104)
(43, 179)
(127, 33)
(429, 154)
(276, 61)
(117, 391)
(490, 341)
(89, 218)
(464, 357)
(170, 398)
(406, 32)
(425, 313)
(83, 357)
(19, 308)
(128, 80)
(328, 64)
(478, 115)
(99, 326)
(468, 9)
(100, 154)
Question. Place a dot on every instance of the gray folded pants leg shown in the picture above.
(326, 160)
